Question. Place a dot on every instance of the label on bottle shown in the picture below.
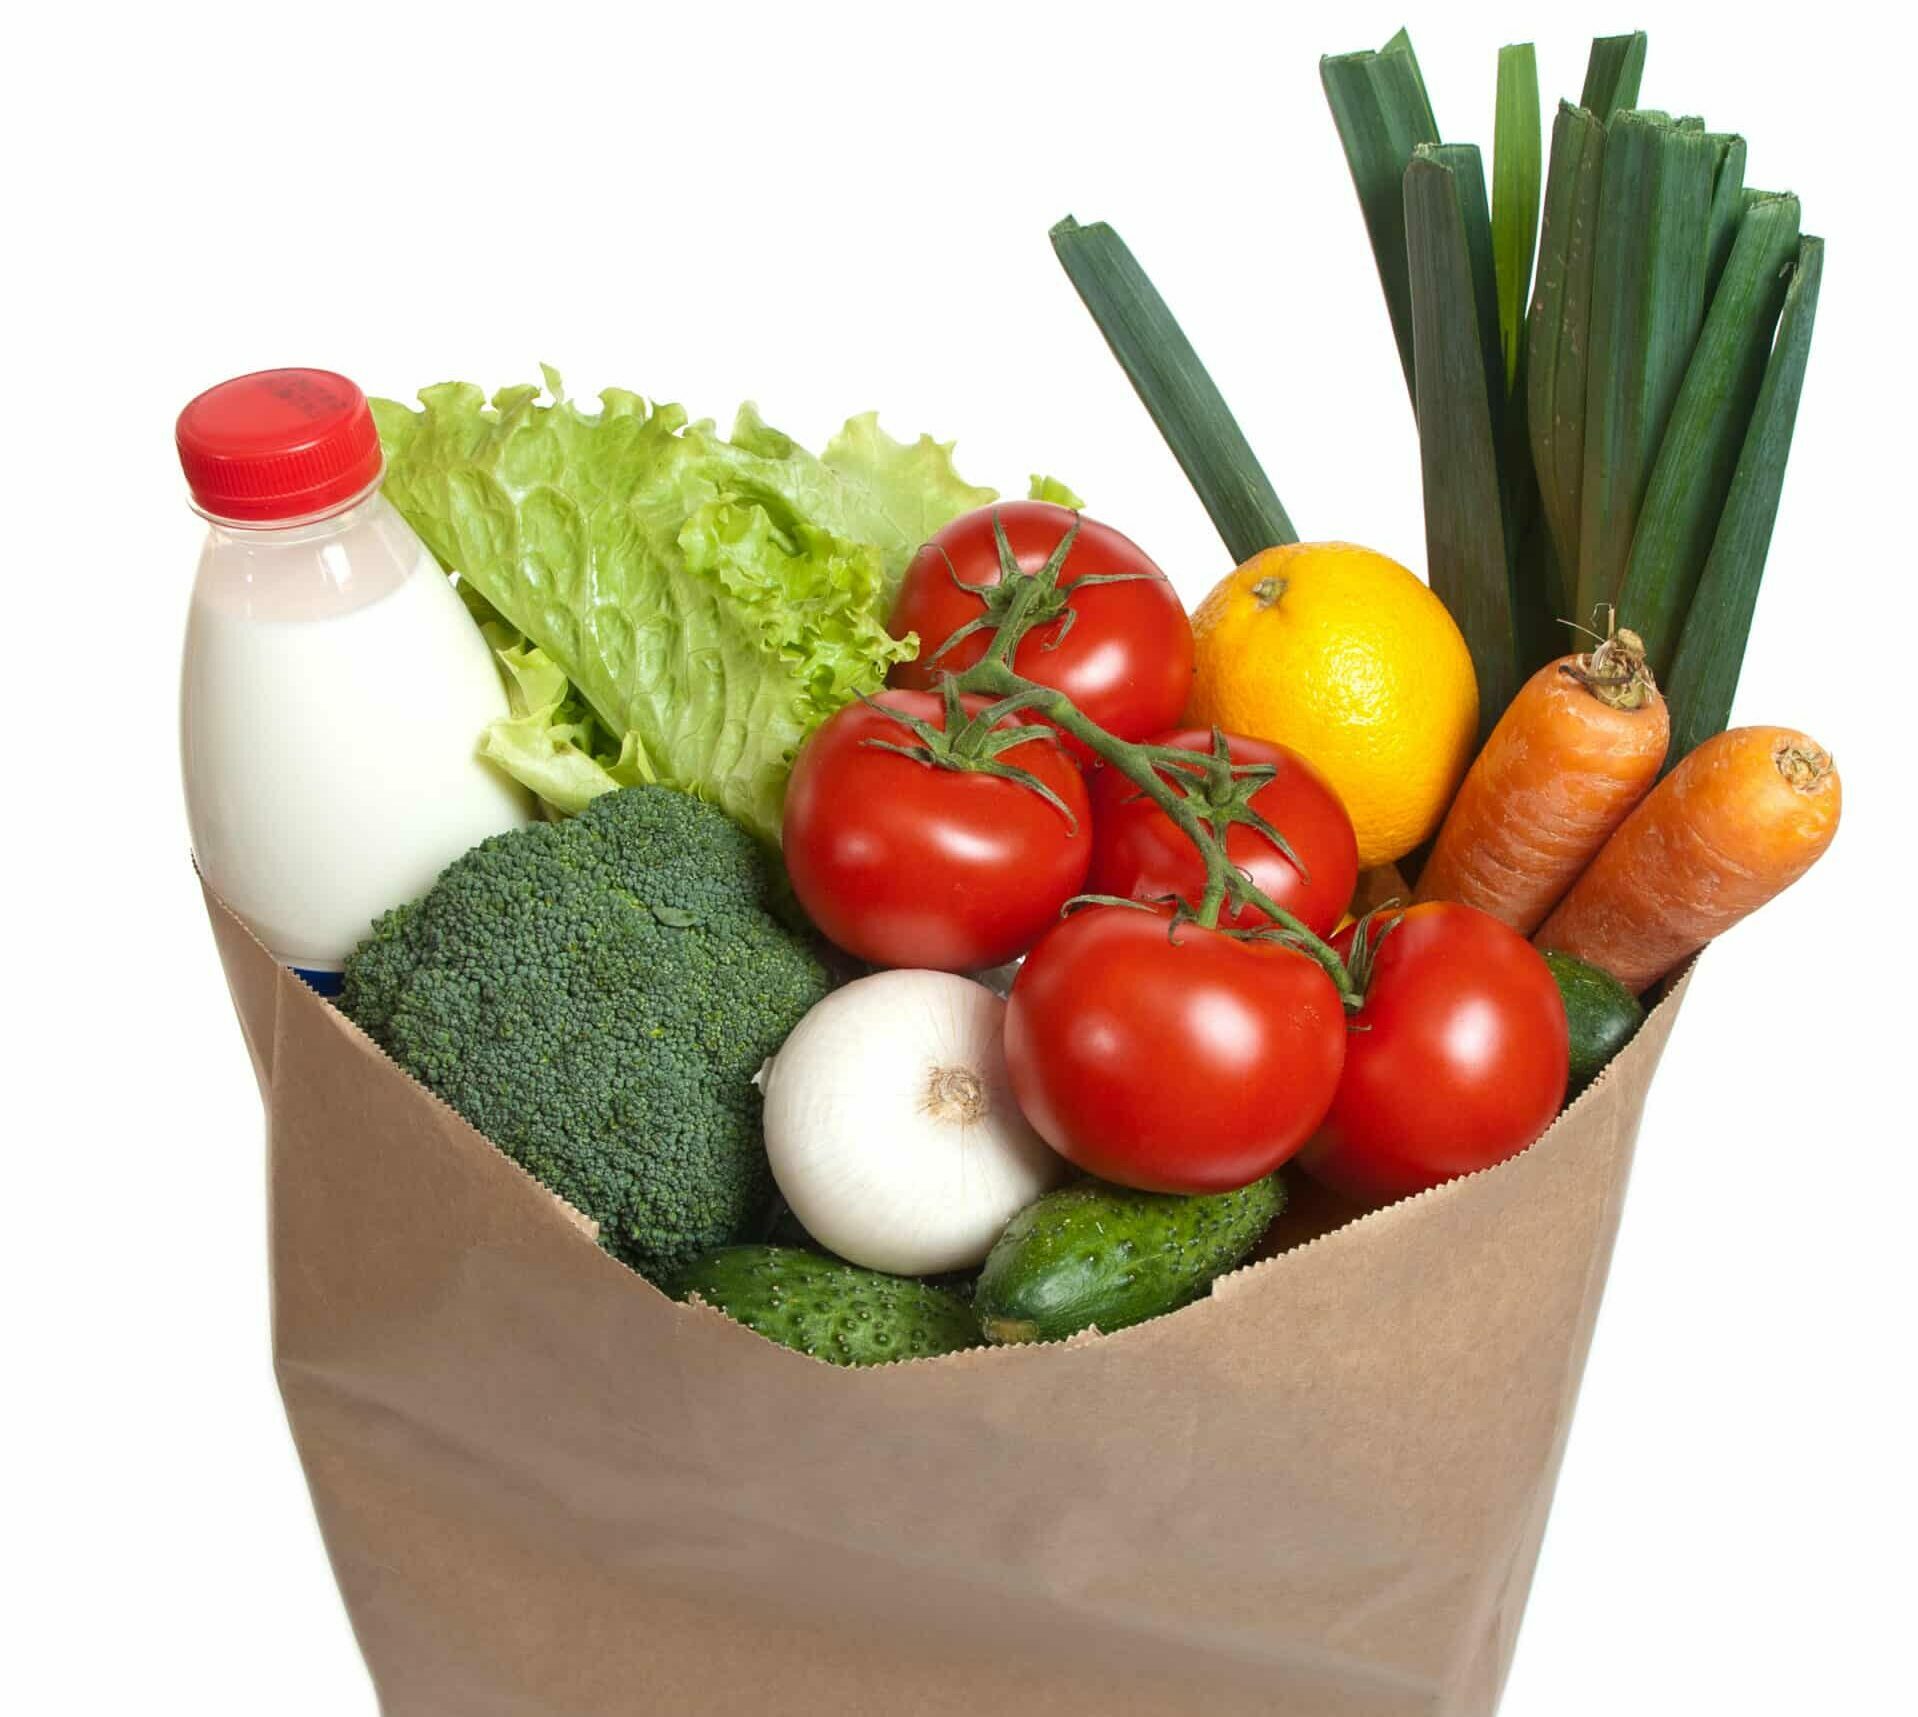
(328, 984)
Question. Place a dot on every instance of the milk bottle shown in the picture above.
(334, 687)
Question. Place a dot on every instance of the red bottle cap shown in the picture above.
(278, 444)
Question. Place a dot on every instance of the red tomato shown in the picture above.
(905, 864)
(1139, 853)
(1173, 1061)
(1125, 660)
(1457, 1060)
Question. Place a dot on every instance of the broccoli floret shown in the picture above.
(595, 996)
(376, 976)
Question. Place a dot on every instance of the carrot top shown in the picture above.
(1616, 672)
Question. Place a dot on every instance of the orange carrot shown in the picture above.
(1741, 819)
(1578, 747)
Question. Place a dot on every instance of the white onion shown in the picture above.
(891, 1125)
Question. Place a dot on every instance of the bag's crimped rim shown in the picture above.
(584, 1228)
(1670, 986)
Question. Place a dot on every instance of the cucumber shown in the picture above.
(786, 1231)
(1092, 1254)
(834, 1311)
(1601, 1012)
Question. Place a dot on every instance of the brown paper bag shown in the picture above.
(547, 1489)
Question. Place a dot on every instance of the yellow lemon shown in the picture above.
(1346, 657)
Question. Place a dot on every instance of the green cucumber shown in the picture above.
(1601, 1013)
(834, 1311)
(1092, 1254)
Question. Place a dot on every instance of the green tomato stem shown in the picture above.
(1024, 601)
(993, 677)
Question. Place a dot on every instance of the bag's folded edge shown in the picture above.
(262, 997)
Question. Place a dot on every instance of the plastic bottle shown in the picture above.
(334, 687)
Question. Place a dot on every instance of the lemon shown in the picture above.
(1345, 656)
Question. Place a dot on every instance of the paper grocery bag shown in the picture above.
(547, 1489)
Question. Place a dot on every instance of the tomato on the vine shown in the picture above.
(1139, 853)
(1173, 1059)
(906, 863)
(1457, 1059)
(1121, 651)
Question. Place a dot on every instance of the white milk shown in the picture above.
(333, 693)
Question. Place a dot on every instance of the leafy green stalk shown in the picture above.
(1528, 538)
(1468, 170)
(1612, 75)
(1382, 112)
(1516, 169)
(1701, 446)
(1538, 585)
(1557, 337)
(1711, 649)
(1648, 302)
(1729, 203)
(1533, 599)
(1401, 43)
(1467, 558)
(1173, 385)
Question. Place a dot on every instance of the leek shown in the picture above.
(1648, 302)
(1701, 447)
(1467, 560)
(1382, 112)
(1516, 169)
(1557, 336)
(1182, 399)
(1711, 649)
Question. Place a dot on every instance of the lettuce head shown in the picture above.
(668, 604)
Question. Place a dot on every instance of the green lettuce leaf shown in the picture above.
(550, 741)
(683, 607)
(868, 486)
(1043, 488)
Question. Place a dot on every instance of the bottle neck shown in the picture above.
(307, 528)
(314, 568)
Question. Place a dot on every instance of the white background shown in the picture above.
(827, 208)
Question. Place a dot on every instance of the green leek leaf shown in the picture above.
(1700, 450)
(1382, 112)
(1401, 43)
(1711, 649)
(1468, 168)
(1516, 170)
(1729, 203)
(1648, 303)
(1188, 408)
(1465, 544)
(1612, 75)
(1557, 337)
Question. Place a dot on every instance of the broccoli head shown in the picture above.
(595, 996)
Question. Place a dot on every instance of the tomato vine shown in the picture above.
(1206, 795)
